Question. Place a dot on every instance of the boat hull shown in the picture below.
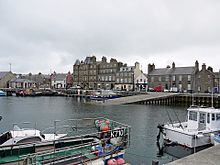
(188, 139)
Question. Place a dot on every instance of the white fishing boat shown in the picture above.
(26, 135)
(197, 132)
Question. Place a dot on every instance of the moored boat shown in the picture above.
(90, 140)
(196, 133)
(2, 93)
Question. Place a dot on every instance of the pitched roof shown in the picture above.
(173, 71)
(2, 74)
(183, 70)
(162, 71)
(60, 76)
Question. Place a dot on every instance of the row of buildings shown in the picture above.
(93, 74)
(54, 80)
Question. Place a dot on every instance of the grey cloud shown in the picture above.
(53, 34)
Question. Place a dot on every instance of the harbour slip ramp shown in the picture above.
(136, 98)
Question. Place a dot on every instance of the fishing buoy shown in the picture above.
(120, 161)
(107, 122)
(111, 162)
(104, 128)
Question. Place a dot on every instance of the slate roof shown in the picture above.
(2, 74)
(171, 71)
(60, 76)
(20, 80)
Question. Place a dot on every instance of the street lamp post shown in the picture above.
(133, 80)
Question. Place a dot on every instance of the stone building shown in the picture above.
(42, 80)
(206, 80)
(85, 73)
(92, 74)
(107, 73)
(22, 83)
(5, 78)
(125, 77)
(173, 78)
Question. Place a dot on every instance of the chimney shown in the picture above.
(173, 65)
(203, 66)
(197, 65)
(151, 67)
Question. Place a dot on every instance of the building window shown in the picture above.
(189, 86)
(152, 79)
(117, 80)
(159, 78)
(174, 78)
(180, 77)
(189, 77)
(167, 78)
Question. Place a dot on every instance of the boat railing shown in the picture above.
(81, 152)
(118, 136)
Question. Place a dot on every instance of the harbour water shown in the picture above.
(143, 120)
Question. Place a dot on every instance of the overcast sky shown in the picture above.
(47, 35)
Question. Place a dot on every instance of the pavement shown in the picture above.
(209, 156)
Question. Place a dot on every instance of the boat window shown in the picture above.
(202, 117)
(5, 137)
(192, 115)
(29, 140)
(218, 116)
(213, 116)
(208, 117)
(42, 135)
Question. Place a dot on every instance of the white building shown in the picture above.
(58, 80)
(141, 82)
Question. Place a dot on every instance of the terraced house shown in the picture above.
(173, 78)
(184, 79)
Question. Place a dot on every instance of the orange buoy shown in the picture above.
(104, 128)
(111, 162)
(120, 161)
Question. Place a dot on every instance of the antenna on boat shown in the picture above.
(212, 99)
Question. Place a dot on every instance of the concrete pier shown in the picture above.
(210, 156)
(141, 98)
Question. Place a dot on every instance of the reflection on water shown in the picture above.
(143, 120)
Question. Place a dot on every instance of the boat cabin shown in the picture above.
(18, 136)
(203, 118)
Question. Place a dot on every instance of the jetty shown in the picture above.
(165, 98)
(140, 98)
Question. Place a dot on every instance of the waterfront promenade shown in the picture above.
(210, 156)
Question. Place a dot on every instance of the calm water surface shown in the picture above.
(143, 120)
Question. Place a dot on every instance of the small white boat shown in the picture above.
(198, 131)
(26, 135)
